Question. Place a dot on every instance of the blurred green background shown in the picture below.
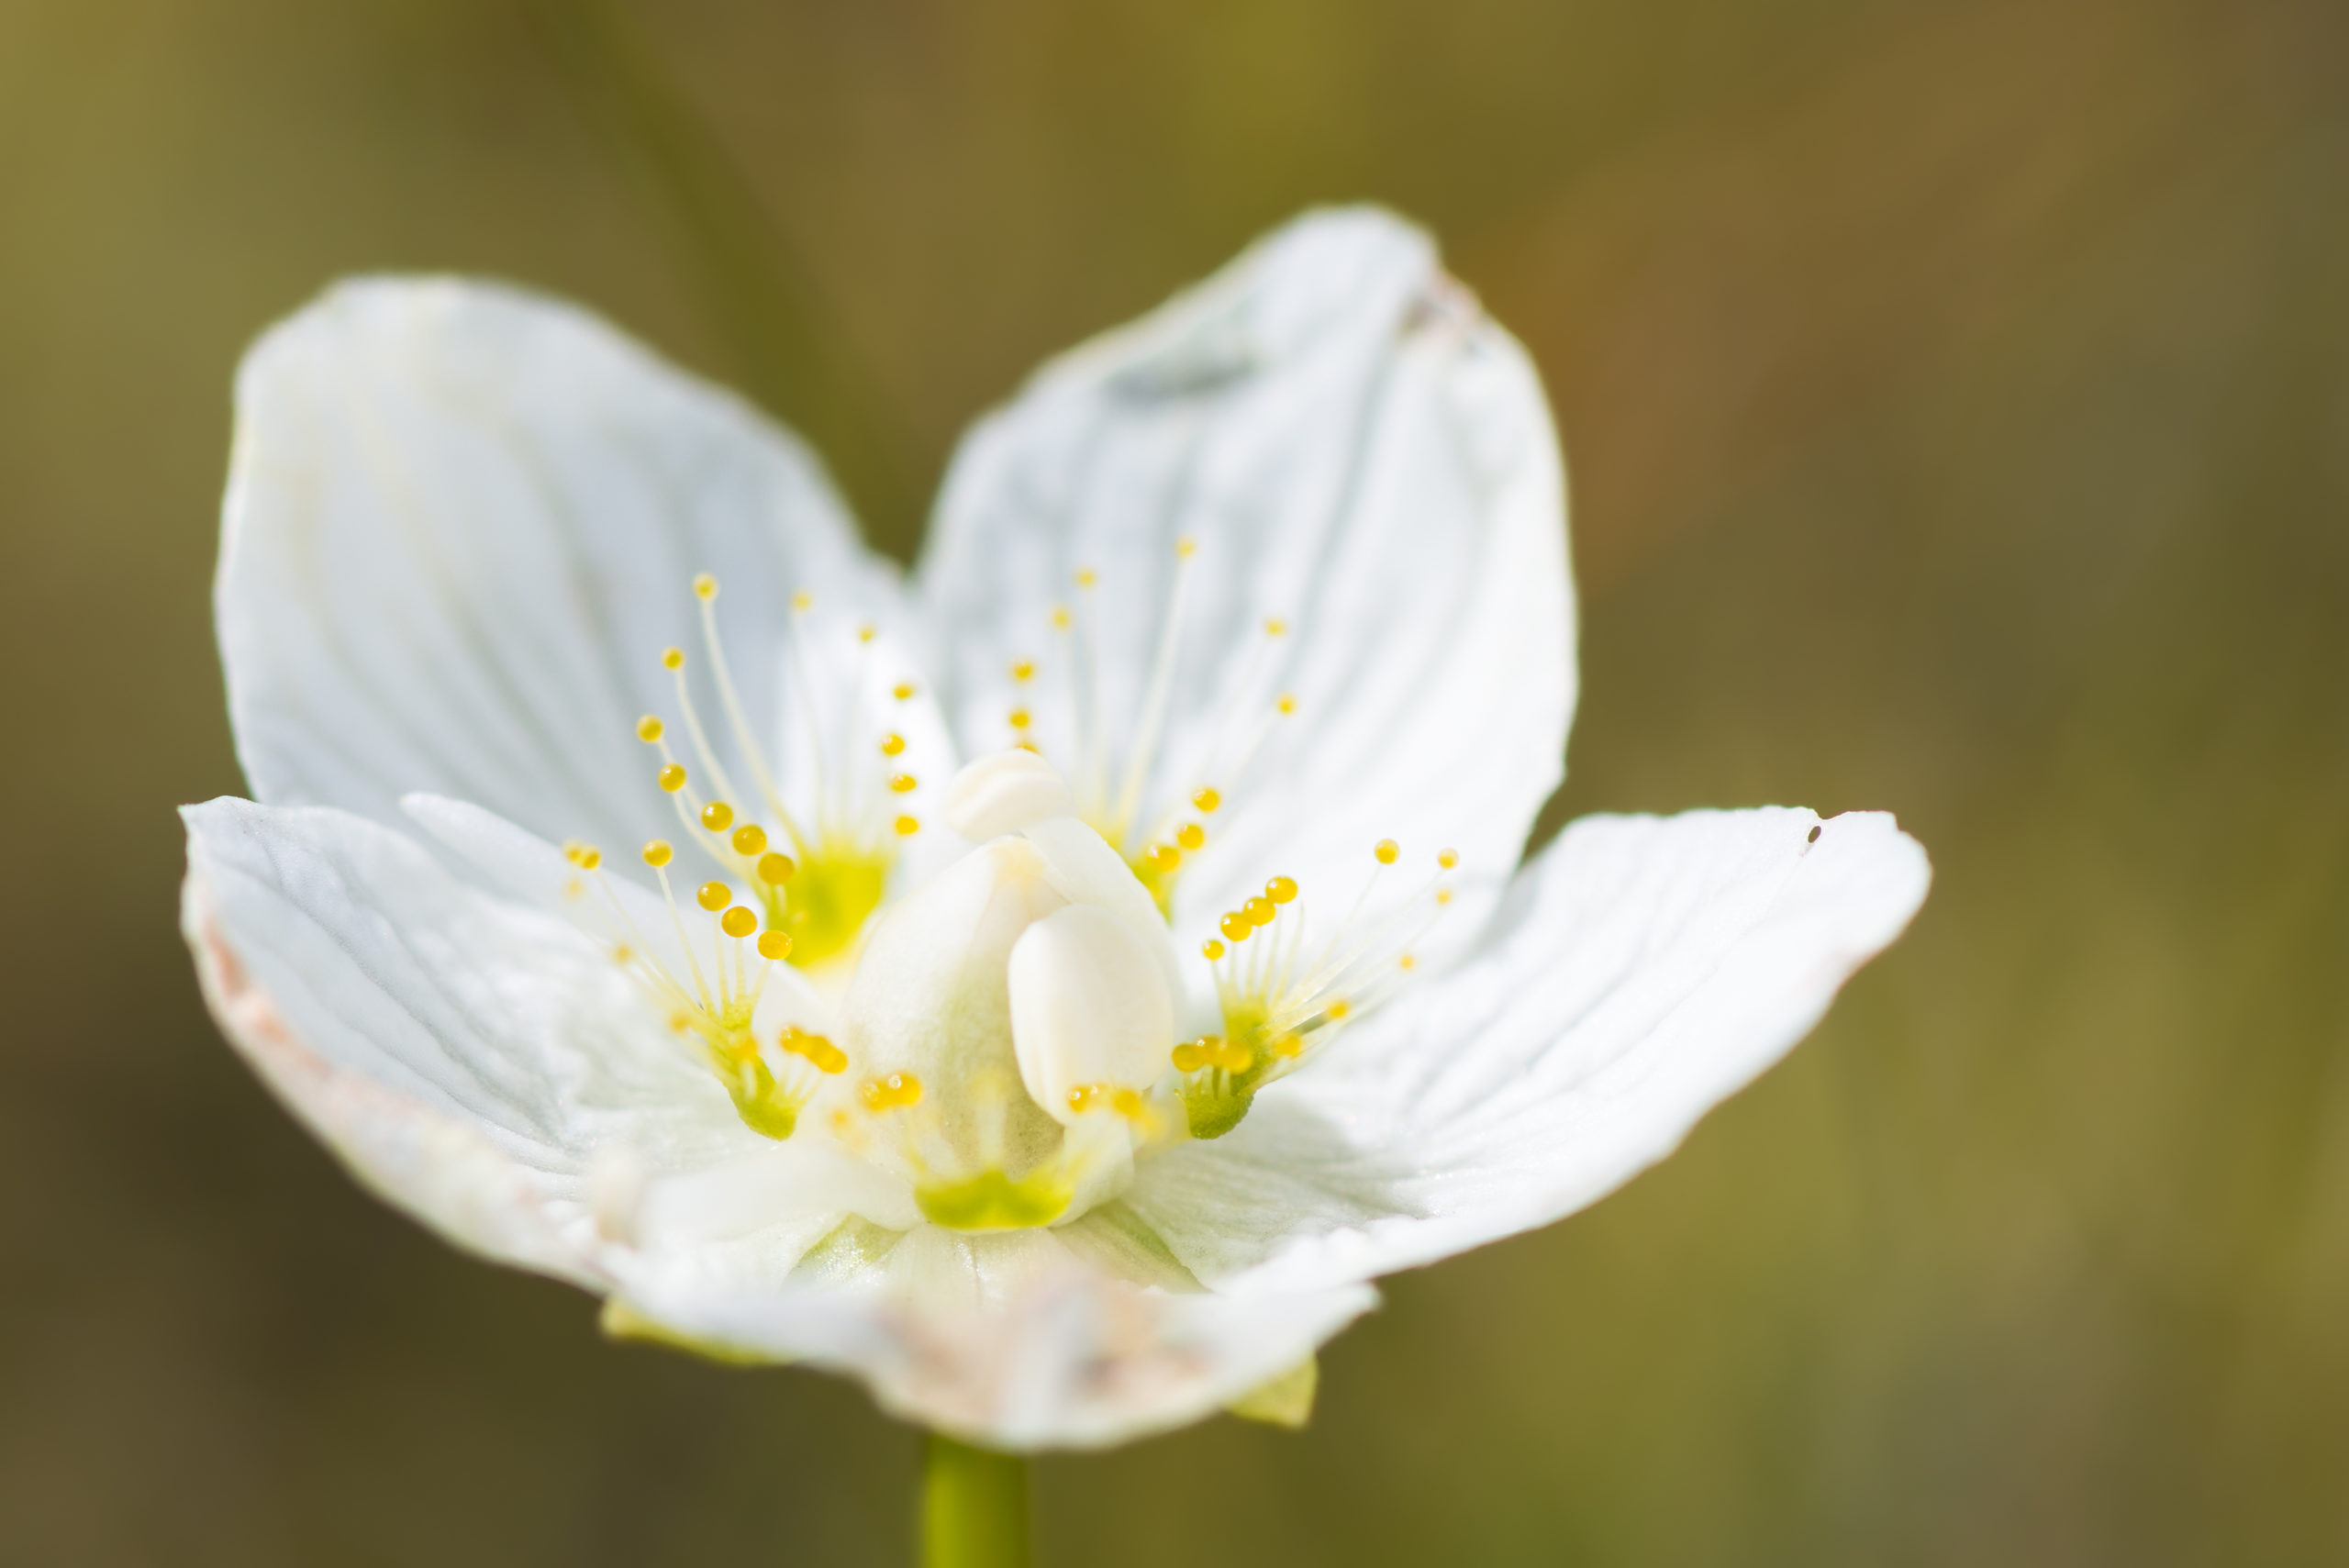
(1957, 398)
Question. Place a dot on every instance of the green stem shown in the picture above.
(973, 1507)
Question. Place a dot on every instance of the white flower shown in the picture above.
(1102, 1072)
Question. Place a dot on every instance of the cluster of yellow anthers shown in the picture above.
(1274, 1006)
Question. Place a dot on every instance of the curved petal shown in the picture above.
(1020, 1340)
(462, 522)
(470, 1060)
(1642, 970)
(1343, 445)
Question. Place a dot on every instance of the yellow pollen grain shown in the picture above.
(906, 827)
(1212, 949)
(1207, 800)
(1190, 835)
(1164, 858)
(813, 1048)
(705, 587)
(888, 1093)
(749, 840)
(737, 921)
(1288, 705)
(1386, 849)
(673, 776)
(902, 690)
(672, 659)
(777, 868)
(891, 744)
(1260, 911)
(657, 853)
(1338, 1008)
(1281, 889)
(650, 728)
(1447, 859)
(1023, 669)
(903, 784)
(774, 946)
(713, 896)
(1236, 926)
(718, 816)
(1020, 717)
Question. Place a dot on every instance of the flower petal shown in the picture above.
(461, 523)
(1642, 970)
(1350, 449)
(470, 1060)
(1015, 1340)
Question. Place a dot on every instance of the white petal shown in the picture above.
(1355, 451)
(1642, 970)
(467, 1059)
(1089, 1004)
(1016, 1340)
(1084, 869)
(461, 523)
(1004, 792)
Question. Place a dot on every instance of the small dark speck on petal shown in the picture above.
(1814, 834)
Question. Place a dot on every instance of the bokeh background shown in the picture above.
(1957, 399)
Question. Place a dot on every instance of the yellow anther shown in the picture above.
(906, 827)
(1020, 717)
(657, 853)
(737, 921)
(672, 659)
(1442, 896)
(867, 632)
(1061, 618)
(648, 729)
(1236, 926)
(1087, 577)
(1207, 800)
(1288, 705)
(1127, 1104)
(777, 868)
(774, 946)
(1281, 889)
(1338, 1008)
(749, 839)
(1023, 669)
(1287, 1046)
(1276, 627)
(1260, 911)
(1163, 857)
(1190, 835)
(1386, 849)
(623, 954)
(705, 587)
(891, 744)
(673, 776)
(1185, 548)
(1407, 961)
(903, 784)
(889, 1093)
(718, 816)
(590, 857)
(1447, 859)
(571, 847)
(902, 690)
(1088, 1098)
(1024, 744)
(1189, 1057)
(1212, 949)
(803, 601)
(713, 895)
(814, 1048)
(1235, 1058)
(680, 1022)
